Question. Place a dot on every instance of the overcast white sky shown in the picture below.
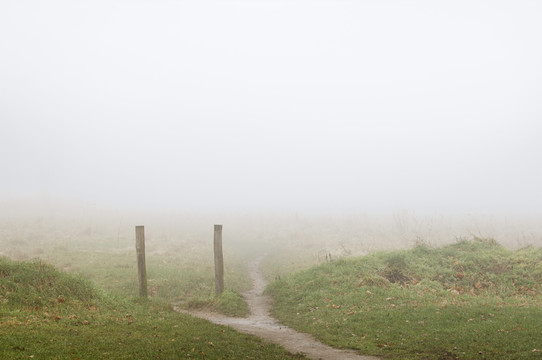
(273, 105)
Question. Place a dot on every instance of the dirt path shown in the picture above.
(261, 324)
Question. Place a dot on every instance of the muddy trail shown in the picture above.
(261, 324)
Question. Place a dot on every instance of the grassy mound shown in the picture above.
(228, 303)
(36, 284)
(470, 300)
(231, 303)
(47, 314)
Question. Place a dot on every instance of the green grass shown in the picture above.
(48, 314)
(231, 303)
(470, 300)
(184, 275)
(228, 303)
(36, 285)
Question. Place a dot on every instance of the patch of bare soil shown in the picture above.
(261, 324)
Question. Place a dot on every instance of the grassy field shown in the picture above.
(47, 314)
(89, 308)
(179, 269)
(466, 300)
(172, 276)
(469, 300)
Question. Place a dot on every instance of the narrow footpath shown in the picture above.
(261, 324)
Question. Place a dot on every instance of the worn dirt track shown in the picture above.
(261, 324)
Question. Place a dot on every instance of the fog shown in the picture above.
(336, 107)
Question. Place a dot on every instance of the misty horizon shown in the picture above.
(273, 106)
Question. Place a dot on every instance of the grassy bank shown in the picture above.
(47, 314)
(470, 300)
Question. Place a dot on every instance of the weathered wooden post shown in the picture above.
(141, 268)
(219, 261)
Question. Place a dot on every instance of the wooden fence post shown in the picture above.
(141, 268)
(219, 261)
